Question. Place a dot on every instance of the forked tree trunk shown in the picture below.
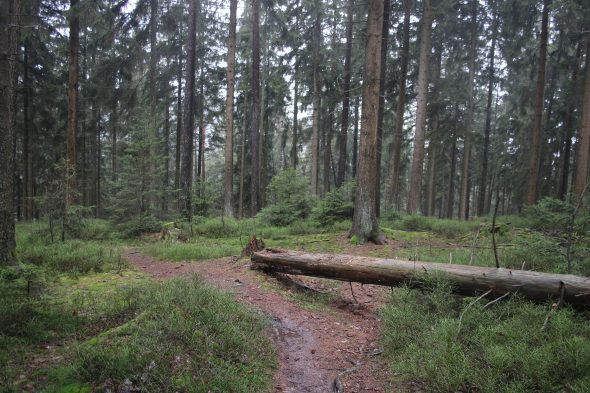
(365, 226)
(465, 280)
(418, 153)
(186, 138)
(483, 181)
(535, 152)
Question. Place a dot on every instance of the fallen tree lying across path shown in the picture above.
(466, 280)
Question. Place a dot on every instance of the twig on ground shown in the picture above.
(352, 292)
(496, 300)
(468, 307)
(494, 229)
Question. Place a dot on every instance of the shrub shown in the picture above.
(289, 199)
(338, 205)
(549, 214)
(142, 224)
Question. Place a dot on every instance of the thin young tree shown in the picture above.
(483, 180)
(418, 152)
(255, 123)
(186, 145)
(315, 127)
(464, 196)
(535, 151)
(228, 207)
(343, 135)
(365, 224)
(72, 123)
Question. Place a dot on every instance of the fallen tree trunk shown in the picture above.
(465, 280)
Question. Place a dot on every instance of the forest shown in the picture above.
(294, 196)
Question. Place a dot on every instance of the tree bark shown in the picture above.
(355, 138)
(384, 46)
(398, 133)
(481, 204)
(9, 21)
(464, 197)
(186, 145)
(582, 159)
(153, 102)
(255, 123)
(295, 141)
(315, 133)
(535, 152)
(343, 136)
(28, 137)
(568, 125)
(72, 123)
(451, 189)
(365, 225)
(228, 207)
(465, 280)
(418, 151)
(178, 111)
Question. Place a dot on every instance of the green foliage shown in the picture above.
(337, 205)
(289, 199)
(186, 337)
(447, 228)
(497, 349)
(549, 214)
(139, 225)
(204, 197)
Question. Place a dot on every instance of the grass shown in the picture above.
(104, 325)
(186, 336)
(497, 349)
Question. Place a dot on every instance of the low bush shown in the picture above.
(338, 205)
(139, 225)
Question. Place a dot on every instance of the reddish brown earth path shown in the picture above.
(333, 350)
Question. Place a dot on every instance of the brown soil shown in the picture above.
(333, 349)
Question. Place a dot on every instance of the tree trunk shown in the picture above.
(384, 41)
(465, 280)
(28, 137)
(398, 133)
(315, 134)
(581, 178)
(178, 113)
(114, 122)
(72, 124)
(568, 125)
(343, 136)
(365, 225)
(166, 180)
(242, 161)
(355, 138)
(421, 106)
(328, 133)
(228, 207)
(432, 150)
(186, 145)
(535, 152)
(255, 124)
(451, 189)
(9, 11)
(153, 122)
(481, 205)
(464, 197)
(295, 140)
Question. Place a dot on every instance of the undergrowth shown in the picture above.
(497, 349)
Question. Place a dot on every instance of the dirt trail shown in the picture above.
(316, 349)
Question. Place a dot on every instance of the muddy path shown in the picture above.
(330, 349)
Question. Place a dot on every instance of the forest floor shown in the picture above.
(333, 346)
